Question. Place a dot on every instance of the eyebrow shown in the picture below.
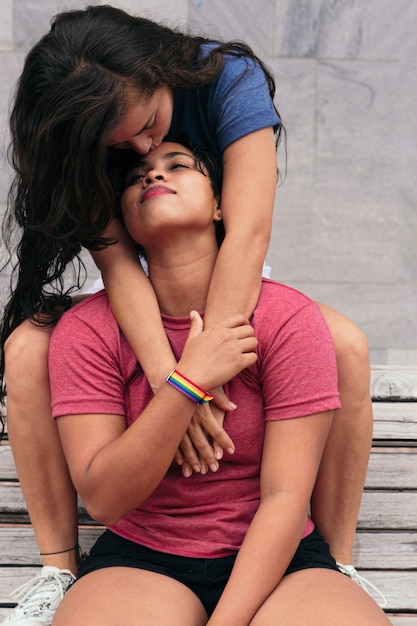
(166, 157)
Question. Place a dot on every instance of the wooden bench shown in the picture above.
(386, 541)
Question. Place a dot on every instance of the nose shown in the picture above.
(152, 176)
(141, 144)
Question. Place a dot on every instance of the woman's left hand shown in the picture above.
(205, 441)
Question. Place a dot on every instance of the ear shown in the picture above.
(218, 216)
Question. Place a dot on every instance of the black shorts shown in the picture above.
(205, 577)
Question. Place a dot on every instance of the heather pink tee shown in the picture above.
(93, 370)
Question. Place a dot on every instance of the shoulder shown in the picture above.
(283, 312)
(280, 298)
(235, 68)
(92, 315)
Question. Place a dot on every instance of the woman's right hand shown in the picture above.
(205, 441)
(212, 357)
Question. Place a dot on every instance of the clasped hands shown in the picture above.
(205, 441)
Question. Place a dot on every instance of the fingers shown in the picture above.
(221, 400)
(191, 461)
(196, 327)
(211, 420)
(205, 441)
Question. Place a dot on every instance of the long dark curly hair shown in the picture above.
(69, 99)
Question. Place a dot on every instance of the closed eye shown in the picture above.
(180, 165)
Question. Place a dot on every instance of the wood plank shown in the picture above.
(379, 509)
(392, 468)
(373, 550)
(385, 550)
(11, 498)
(13, 506)
(384, 510)
(403, 620)
(399, 588)
(396, 383)
(13, 577)
(395, 421)
(18, 546)
(388, 468)
(7, 466)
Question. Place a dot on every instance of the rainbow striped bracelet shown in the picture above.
(188, 388)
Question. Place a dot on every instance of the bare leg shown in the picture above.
(319, 597)
(340, 481)
(125, 596)
(43, 473)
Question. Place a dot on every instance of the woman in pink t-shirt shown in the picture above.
(235, 547)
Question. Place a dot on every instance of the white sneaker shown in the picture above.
(363, 582)
(40, 597)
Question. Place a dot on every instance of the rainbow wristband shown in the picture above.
(188, 388)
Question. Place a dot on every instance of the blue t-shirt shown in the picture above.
(235, 104)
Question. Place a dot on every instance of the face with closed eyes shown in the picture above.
(167, 195)
(145, 123)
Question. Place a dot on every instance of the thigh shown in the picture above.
(319, 597)
(125, 596)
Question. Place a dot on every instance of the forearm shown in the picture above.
(135, 307)
(266, 552)
(137, 313)
(236, 282)
(247, 202)
(125, 472)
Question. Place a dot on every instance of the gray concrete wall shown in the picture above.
(345, 228)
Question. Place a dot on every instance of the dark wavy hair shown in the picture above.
(69, 99)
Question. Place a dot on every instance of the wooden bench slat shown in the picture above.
(394, 382)
(18, 546)
(388, 468)
(399, 588)
(394, 550)
(379, 509)
(395, 421)
(388, 510)
(8, 469)
(385, 550)
(392, 469)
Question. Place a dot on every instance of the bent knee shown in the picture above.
(349, 340)
(26, 350)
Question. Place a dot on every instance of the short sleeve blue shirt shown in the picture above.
(232, 106)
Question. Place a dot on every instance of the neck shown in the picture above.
(181, 279)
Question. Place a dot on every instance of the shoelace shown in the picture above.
(363, 582)
(39, 591)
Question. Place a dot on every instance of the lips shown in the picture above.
(157, 190)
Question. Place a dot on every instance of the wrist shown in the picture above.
(187, 387)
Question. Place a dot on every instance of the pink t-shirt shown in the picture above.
(94, 370)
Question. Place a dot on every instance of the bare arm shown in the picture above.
(278, 525)
(248, 192)
(134, 305)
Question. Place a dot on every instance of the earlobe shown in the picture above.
(218, 214)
